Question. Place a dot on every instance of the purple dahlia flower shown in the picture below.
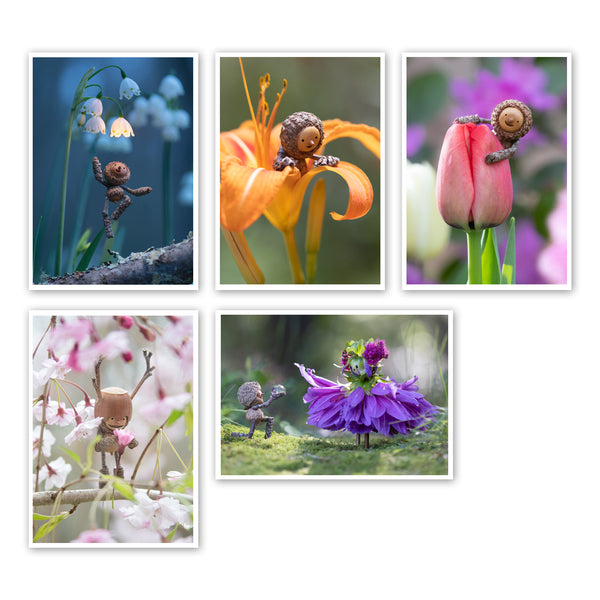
(388, 408)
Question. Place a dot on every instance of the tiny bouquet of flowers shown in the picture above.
(367, 401)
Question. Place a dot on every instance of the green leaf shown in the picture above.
(124, 488)
(90, 452)
(509, 268)
(73, 455)
(490, 261)
(78, 95)
(173, 417)
(38, 517)
(87, 257)
(48, 527)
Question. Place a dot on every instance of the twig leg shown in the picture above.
(106, 220)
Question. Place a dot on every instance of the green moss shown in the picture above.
(416, 454)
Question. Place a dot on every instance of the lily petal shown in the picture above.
(246, 191)
(360, 196)
(369, 136)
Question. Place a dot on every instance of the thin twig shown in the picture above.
(147, 372)
(139, 462)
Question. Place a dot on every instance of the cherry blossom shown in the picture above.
(94, 536)
(158, 515)
(84, 430)
(55, 473)
(47, 442)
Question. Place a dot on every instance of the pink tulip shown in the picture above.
(471, 194)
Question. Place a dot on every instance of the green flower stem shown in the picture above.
(474, 246)
(63, 197)
(292, 252)
(167, 223)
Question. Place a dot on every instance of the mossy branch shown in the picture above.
(171, 265)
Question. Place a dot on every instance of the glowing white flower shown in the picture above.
(121, 127)
(128, 89)
(170, 87)
(95, 125)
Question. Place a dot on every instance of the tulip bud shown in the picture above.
(471, 194)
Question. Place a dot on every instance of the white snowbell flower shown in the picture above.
(121, 127)
(170, 87)
(128, 88)
(95, 125)
(93, 107)
(181, 118)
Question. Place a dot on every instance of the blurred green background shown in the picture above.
(347, 88)
(264, 348)
(439, 89)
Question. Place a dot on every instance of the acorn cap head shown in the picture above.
(247, 393)
(302, 134)
(114, 402)
(116, 173)
(511, 120)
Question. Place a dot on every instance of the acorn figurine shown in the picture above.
(115, 407)
(116, 174)
(302, 134)
(510, 120)
(250, 396)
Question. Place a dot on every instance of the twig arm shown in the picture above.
(147, 373)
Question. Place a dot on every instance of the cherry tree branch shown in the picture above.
(76, 497)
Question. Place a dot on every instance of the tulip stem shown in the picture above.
(474, 245)
(292, 251)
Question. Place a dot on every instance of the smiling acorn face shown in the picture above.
(114, 406)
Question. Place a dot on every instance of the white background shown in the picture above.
(520, 518)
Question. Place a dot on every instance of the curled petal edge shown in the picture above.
(360, 198)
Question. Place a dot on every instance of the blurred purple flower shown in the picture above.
(529, 244)
(415, 136)
(518, 78)
(552, 261)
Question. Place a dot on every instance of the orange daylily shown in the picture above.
(250, 187)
